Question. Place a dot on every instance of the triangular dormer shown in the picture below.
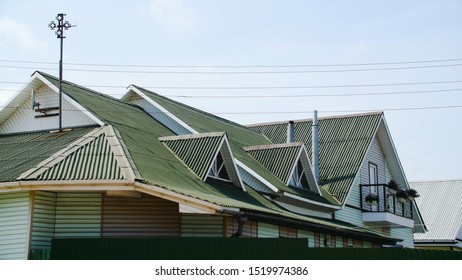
(207, 155)
(289, 162)
(36, 107)
(99, 155)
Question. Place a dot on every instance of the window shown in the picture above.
(373, 173)
(218, 169)
(298, 178)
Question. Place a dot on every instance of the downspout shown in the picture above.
(239, 216)
(315, 146)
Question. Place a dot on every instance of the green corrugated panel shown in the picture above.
(279, 159)
(343, 143)
(93, 161)
(239, 136)
(196, 151)
(21, 152)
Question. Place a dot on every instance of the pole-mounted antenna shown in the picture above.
(60, 27)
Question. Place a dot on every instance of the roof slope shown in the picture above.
(156, 164)
(21, 152)
(239, 137)
(343, 143)
(441, 208)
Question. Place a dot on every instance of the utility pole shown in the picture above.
(60, 27)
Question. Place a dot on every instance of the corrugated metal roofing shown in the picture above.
(279, 159)
(21, 152)
(239, 136)
(441, 208)
(343, 143)
(197, 151)
(155, 163)
(93, 161)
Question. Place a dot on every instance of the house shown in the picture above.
(148, 166)
(441, 207)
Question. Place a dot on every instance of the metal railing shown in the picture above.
(387, 201)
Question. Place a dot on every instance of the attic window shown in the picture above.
(218, 169)
(298, 178)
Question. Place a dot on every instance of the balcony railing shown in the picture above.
(387, 202)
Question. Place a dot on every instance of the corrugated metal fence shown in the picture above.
(227, 249)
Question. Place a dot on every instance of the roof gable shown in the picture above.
(200, 151)
(282, 160)
(343, 143)
(99, 155)
(36, 107)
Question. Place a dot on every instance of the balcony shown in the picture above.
(385, 207)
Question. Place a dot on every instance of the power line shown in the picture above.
(266, 87)
(238, 66)
(272, 112)
(236, 72)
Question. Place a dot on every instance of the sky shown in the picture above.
(263, 60)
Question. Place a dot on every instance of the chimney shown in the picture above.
(290, 132)
(315, 146)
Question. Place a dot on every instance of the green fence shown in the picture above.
(226, 249)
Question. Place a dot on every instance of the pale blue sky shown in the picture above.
(214, 33)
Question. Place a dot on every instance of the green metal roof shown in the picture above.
(343, 143)
(239, 136)
(21, 152)
(279, 159)
(197, 151)
(155, 163)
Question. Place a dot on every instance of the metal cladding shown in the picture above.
(441, 208)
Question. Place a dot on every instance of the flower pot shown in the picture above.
(392, 191)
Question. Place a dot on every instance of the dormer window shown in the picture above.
(218, 169)
(298, 178)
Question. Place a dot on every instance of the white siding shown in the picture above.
(43, 223)
(268, 230)
(194, 225)
(403, 233)
(78, 215)
(24, 118)
(159, 115)
(14, 221)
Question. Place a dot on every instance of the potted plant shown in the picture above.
(372, 199)
(412, 194)
(402, 195)
(392, 187)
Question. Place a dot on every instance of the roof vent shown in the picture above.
(290, 132)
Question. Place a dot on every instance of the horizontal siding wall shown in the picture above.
(195, 225)
(403, 233)
(140, 217)
(268, 230)
(43, 222)
(287, 232)
(14, 220)
(250, 228)
(78, 215)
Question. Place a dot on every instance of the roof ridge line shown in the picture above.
(272, 146)
(192, 136)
